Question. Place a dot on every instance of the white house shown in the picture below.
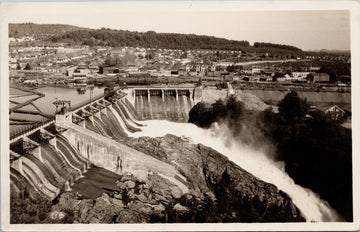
(299, 75)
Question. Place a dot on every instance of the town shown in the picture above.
(58, 64)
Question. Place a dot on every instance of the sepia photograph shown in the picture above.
(184, 115)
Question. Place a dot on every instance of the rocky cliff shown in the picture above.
(219, 191)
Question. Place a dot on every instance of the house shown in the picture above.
(94, 68)
(314, 69)
(79, 76)
(13, 65)
(321, 77)
(109, 69)
(131, 67)
(335, 112)
(300, 76)
(62, 59)
(344, 78)
(196, 69)
(280, 79)
(69, 71)
(222, 66)
(82, 69)
(256, 70)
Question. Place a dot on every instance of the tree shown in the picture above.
(109, 60)
(150, 55)
(199, 82)
(235, 108)
(230, 68)
(292, 107)
(28, 67)
(24, 209)
(310, 77)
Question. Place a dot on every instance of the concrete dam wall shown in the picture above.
(107, 153)
(52, 159)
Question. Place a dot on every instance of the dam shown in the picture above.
(168, 103)
(83, 149)
(51, 158)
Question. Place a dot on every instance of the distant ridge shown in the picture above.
(74, 35)
(333, 51)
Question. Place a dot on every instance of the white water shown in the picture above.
(100, 127)
(254, 161)
(119, 119)
(132, 120)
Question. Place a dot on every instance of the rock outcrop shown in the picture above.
(219, 191)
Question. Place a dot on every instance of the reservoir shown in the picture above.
(20, 121)
(68, 94)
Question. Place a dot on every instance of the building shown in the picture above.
(82, 69)
(94, 68)
(300, 76)
(109, 69)
(335, 112)
(131, 67)
(314, 69)
(13, 65)
(196, 69)
(256, 70)
(139, 74)
(79, 76)
(69, 71)
(321, 77)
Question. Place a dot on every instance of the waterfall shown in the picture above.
(71, 157)
(100, 127)
(254, 161)
(130, 107)
(91, 126)
(123, 118)
(63, 166)
(51, 159)
(39, 181)
(61, 153)
(127, 113)
(50, 176)
(120, 121)
(21, 182)
(75, 152)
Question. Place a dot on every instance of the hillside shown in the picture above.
(39, 31)
(152, 39)
(116, 38)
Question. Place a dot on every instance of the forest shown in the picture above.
(119, 38)
(271, 45)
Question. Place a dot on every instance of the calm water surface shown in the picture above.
(45, 104)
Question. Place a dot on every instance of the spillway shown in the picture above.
(169, 104)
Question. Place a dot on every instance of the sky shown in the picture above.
(308, 30)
